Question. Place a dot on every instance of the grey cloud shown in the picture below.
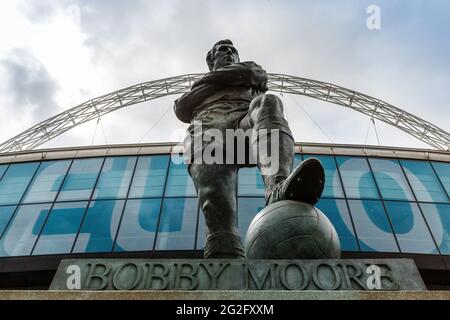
(29, 84)
(148, 37)
(38, 10)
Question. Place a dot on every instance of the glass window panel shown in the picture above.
(201, 231)
(5, 216)
(250, 182)
(149, 177)
(24, 229)
(438, 218)
(179, 182)
(138, 227)
(423, 181)
(3, 168)
(391, 180)
(412, 233)
(248, 208)
(443, 171)
(81, 179)
(47, 181)
(99, 226)
(333, 188)
(372, 226)
(177, 226)
(336, 210)
(297, 160)
(357, 178)
(115, 178)
(61, 228)
(15, 182)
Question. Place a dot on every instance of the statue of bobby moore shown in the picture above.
(233, 96)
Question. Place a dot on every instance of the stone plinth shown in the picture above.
(237, 275)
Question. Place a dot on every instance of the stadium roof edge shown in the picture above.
(174, 147)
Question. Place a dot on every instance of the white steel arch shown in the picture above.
(97, 107)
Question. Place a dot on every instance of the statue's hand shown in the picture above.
(255, 75)
(247, 74)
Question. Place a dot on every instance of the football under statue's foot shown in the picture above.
(304, 184)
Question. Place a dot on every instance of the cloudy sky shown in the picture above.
(57, 54)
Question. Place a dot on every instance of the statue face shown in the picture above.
(224, 55)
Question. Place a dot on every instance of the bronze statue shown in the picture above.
(232, 96)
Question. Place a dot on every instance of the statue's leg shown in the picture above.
(266, 112)
(306, 182)
(216, 189)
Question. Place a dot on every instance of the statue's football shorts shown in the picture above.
(218, 117)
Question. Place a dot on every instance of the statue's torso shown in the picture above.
(240, 82)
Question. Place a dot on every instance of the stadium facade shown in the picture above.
(138, 201)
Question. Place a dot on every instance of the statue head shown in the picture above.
(222, 54)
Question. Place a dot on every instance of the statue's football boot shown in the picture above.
(304, 184)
